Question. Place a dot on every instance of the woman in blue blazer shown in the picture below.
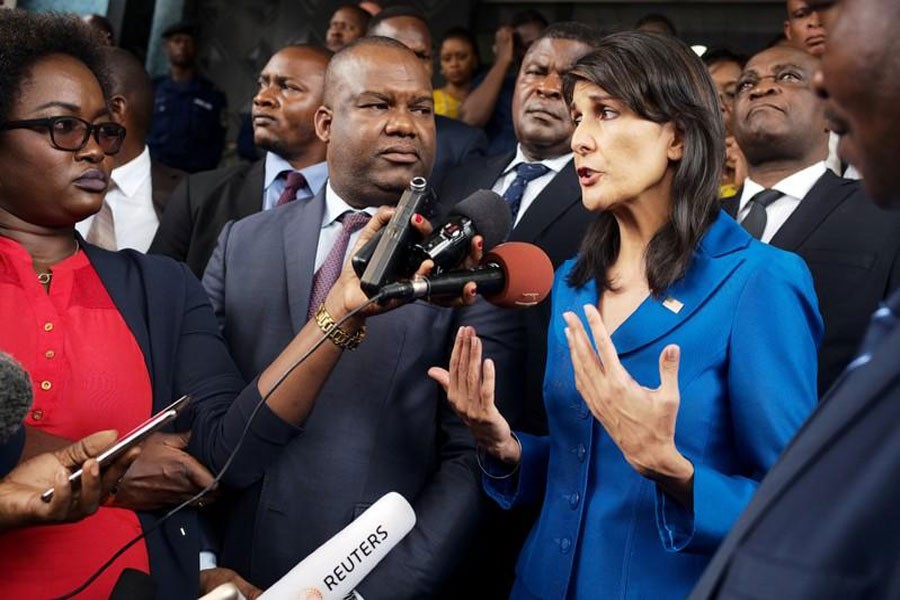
(650, 458)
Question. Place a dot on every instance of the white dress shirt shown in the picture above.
(535, 186)
(331, 227)
(794, 188)
(130, 197)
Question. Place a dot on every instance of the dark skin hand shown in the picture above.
(210, 579)
(163, 475)
(21, 489)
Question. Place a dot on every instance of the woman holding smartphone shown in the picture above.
(110, 338)
(700, 364)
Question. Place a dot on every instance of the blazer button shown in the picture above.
(565, 545)
(579, 452)
(573, 500)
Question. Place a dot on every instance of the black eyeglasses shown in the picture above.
(71, 133)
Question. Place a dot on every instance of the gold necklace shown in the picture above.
(44, 277)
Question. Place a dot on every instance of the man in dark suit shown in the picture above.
(456, 141)
(140, 187)
(290, 91)
(379, 423)
(548, 213)
(851, 247)
(825, 522)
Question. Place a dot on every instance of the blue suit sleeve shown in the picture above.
(771, 385)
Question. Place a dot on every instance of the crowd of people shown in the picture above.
(704, 407)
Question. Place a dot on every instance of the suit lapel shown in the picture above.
(562, 192)
(163, 181)
(825, 196)
(301, 223)
(712, 264)
(846, 401)
(249, 197)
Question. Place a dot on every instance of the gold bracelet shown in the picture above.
(339, 337)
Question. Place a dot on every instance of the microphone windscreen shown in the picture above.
(133, 585)
(15, 396)
(338, 565)
(489, 213)
(528, 274)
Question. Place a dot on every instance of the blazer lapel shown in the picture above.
(850, 396)
(163, 181)
(713, 263)
(301, 224)
(248, 199)
(825, 196)
(562, 192)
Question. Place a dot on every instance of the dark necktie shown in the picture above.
(755, 221)
(882, 322)
(293, 183)
(327, 274)
(525, 172)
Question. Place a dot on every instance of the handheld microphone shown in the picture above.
(482, 213)
(338, 565)
(384, 265)
(15, 396)
(512, 275)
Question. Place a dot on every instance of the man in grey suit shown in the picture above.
(379, 424)
(825, 522)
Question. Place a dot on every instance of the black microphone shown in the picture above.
(15, 396)
(133, 584)
(482, 213)
(384, 266)
(512, 275)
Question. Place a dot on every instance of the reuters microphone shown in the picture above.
(338, 565)
(512, 275)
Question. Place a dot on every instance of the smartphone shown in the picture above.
(133, 438)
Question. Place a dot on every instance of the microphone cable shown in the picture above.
(225, 466)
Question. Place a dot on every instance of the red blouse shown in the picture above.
(88, 374)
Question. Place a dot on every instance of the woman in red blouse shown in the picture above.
(110, 338)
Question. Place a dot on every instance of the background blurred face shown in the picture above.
(379, 127)
(540, 115)
(344, 27)
(181, 49)
(290, 91)
(619, 156)
(777, 114)
(803, 27)
(458, 61)
(860, 75)
(40, 186)
(725, 75)
(412, 33)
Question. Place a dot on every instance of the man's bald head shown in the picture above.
(367, 46)
(131, 98)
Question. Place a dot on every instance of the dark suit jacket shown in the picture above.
(163, 181)
(200, 207)
(168, 312)
(556, 222)
(379, 423)
(456, 142)
(825, 522)
(851, 247)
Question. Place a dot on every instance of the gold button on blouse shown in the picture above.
(49, 354)
(48, 326)
(46, 385)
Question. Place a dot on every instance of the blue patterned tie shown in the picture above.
(883, 322)
(525, 172)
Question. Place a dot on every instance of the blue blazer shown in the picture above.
(748, 327)
(170, 316)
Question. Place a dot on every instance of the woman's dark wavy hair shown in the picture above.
(26, 38)
(661, 80)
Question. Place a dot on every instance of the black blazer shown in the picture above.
(455, 143)
(556, 222)
(163, 181)
(825, 522)
(200, 207)
(851, 247)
